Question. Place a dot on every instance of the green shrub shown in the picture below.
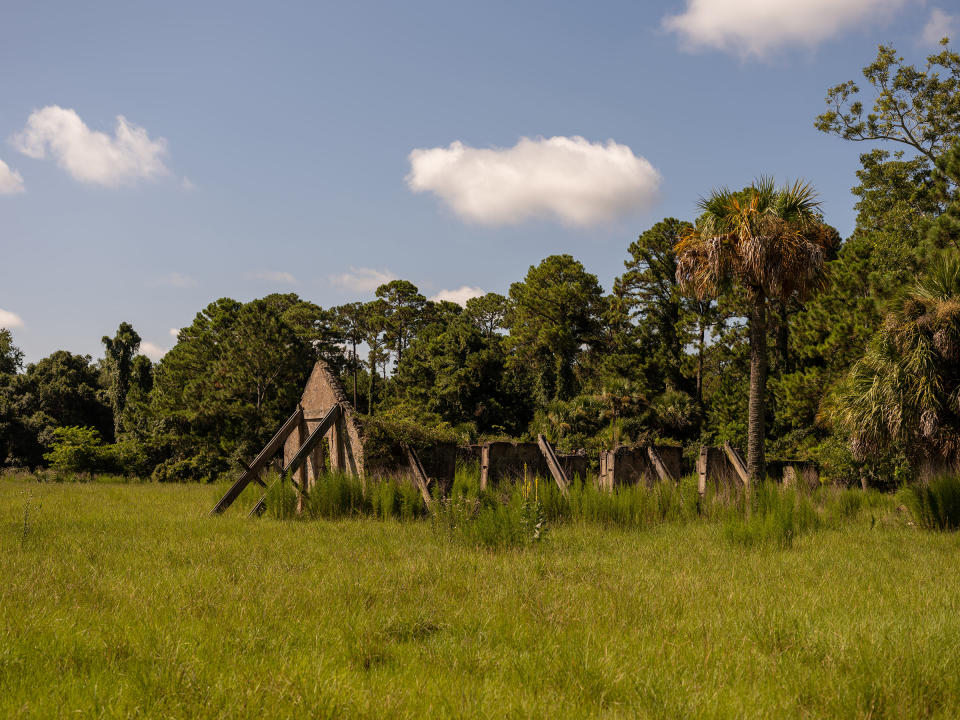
(935, 505)
(78, 450)
(509, 516)
(386, 436)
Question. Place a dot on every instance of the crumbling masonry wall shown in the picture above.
(439, 462)
(503, 460)
(344, 439)
(715, 470)
(633, 466)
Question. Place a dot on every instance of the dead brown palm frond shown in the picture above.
(772, 241)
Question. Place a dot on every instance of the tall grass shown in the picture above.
(777, 516)
(338, 495)
(129, 601)
(518, 513)
(935, 505)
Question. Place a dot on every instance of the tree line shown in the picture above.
(753, 323)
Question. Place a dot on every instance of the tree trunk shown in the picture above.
(700, 345)
(373, 375)
(356, 366)
(756, 465)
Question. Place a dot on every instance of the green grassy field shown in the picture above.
(126, 600)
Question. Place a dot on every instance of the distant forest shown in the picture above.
(753, 323)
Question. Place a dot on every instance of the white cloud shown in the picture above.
(939, 26)
(460, 295)
(152, 351)
(10, 319)
(565, 178)
(88, 155)
(11, 182)
(175, 333)
(176, 280)
(363, 279)
(275, 276)
(187, 184)
(759, 27)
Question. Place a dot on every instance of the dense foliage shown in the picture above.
(752, 323)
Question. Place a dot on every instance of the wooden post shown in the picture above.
(702, 470)
(484, 466)
(554, 464)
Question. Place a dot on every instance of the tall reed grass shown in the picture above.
(518, 513)
(934, 505)
(338, 495)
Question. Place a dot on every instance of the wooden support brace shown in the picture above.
(252, 473)
(658, 465)
(420, 477)
(301, 457)
(738, 465)
(554, 464)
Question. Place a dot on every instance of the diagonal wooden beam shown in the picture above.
(554, 465)
(420, 477)
(738, 465)
(658, 465)
(252, 473)
(301, 456)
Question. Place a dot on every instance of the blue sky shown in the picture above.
(267, 146)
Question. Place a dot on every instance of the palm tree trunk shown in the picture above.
(756, 465)
(700, 346)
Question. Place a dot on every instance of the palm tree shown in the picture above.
(906, 388)
(773, 243)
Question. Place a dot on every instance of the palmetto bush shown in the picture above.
(906, 389)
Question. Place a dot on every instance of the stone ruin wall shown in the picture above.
(633, 466)
(503, 460)
(344, 440)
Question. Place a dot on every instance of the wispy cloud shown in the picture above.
(187, 184)
(176, 279)
(460, 295)
(363, 279)
(11, 182)
(88, 155)
(153, 351)
(562, 178)
(10, 319)
(760, 27)
(274, 276)
(939, 25)
(174, 333)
